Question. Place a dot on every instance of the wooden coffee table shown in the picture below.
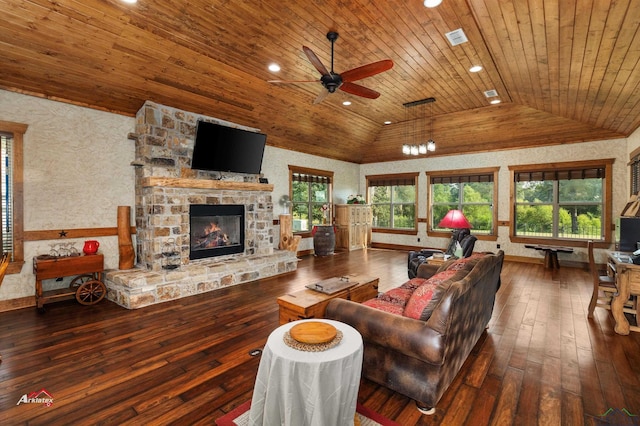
(305, 304)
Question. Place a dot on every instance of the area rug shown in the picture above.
(240, 417)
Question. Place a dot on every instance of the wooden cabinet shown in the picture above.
(353, 226)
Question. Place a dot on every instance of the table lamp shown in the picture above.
(455, 220)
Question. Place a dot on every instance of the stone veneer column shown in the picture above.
(164, 146)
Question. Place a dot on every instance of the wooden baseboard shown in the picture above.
(20, 303)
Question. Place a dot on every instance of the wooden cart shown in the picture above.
(87, 287)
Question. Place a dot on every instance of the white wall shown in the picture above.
(571, 152)
(633, 141)
(76, 173)
(275, 167)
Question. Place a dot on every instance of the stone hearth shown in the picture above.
(165, 188)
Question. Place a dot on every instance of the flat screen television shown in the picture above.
(226, 149)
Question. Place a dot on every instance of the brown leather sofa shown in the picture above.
(420, 358)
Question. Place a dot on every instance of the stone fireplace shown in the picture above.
(172, 258)
(215, 230)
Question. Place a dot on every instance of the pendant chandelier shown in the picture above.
(420, 144)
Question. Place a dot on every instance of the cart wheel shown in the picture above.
(79, 280)
(91, 292)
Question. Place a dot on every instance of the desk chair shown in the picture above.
(601, 283)
(4, 264)
(606, 285)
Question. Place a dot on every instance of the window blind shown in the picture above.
(483, 177)
(392, 181)
(6, 143)
(635, 174)
(303, 177)
(567, 174)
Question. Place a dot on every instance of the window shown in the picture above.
(566, 201)
(634, 164)
(310, 197)
(11, 140)
(473, 191)
(393, 201)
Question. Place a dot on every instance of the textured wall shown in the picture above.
(76, 173)
(573, 152)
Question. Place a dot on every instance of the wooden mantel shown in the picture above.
(205, 184)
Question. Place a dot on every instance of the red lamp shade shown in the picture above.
(454, 219)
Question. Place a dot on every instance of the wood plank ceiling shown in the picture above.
(565, 71)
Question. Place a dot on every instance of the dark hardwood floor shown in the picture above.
(187, 361)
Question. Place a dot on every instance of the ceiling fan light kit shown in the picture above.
(333, 81)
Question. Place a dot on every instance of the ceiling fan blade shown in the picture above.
(321, 97)
(367, 70)
(293, 81)
(315, 61)
(356, 89)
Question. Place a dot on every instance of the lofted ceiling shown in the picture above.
(566, 71)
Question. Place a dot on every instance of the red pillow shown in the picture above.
(423, 294)
(385, 306)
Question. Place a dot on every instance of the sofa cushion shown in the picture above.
(428, 298)
(465, 263)
(384, 305)
(399, 296)
(423, 294)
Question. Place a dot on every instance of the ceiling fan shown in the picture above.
(332, 81)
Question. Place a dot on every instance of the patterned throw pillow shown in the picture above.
(423, 294)
(414, 283)
(385, 306)
(399, 296)
(465, 262)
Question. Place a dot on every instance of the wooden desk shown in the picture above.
(628, 283)
(550, 254)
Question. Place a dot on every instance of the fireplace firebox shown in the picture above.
(216, 230)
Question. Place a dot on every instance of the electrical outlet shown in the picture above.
(498, 246)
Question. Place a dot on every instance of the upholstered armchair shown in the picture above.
(462, 236)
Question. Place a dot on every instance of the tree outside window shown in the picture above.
(310, 191)
(393, 201)
(565, 201)
(471, 191)
(560, 208)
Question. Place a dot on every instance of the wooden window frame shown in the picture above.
(17, 131)
(316, 172)
(431, 175)
(607, 202)
(391, 177)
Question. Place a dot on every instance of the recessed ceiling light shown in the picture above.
(475, 68)
(130, 1)
(432, 3)
(346, 103)
(494, 101)
(387, 122)
(274, 67)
